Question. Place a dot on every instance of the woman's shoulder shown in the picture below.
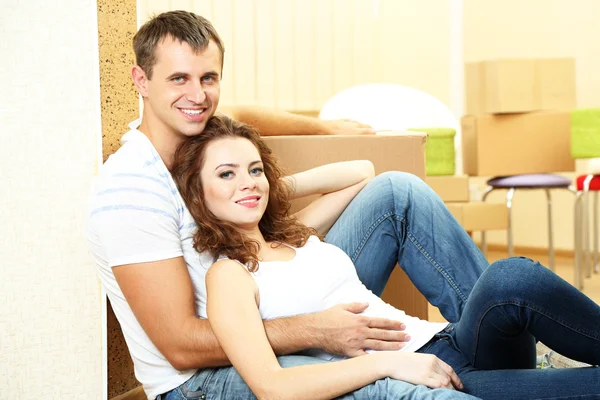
(224, 261)
(312, 239)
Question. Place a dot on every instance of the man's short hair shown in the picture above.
(180, 25)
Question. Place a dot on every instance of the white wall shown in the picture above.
(296, 54)
(50, 313)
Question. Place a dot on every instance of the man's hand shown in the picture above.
(342, 330)
(348, 127)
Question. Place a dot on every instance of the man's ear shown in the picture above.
(140, 80)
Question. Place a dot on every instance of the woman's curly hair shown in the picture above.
(223, 238)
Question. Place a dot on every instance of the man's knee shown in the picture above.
(398, 178)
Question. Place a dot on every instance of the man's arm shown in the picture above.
(273, 122)
(161, 296)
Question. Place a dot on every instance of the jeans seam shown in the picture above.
(414, 241)
(520, 304)
(435, 264)
(369, 232)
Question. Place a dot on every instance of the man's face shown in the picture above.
(184, 90)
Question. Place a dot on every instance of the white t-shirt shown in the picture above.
(321, 276)
(137, 215)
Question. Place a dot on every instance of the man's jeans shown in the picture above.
(397, 218)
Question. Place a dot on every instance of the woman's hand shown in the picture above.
(419, 369)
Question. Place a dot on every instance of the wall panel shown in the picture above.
(265, 53)
(304, 54)
(342, 45)
(363, 37)
(323, 71)
(285, 63)
(243, 52)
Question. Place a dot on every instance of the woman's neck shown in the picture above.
(270, 251)
(255, 234)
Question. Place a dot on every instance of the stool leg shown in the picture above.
(587, 219)
(509, 234)
(550, 238)
(483, 238)
(595, 232)
(578, 228)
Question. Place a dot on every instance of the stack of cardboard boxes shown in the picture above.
(517, 122)
(518, 116)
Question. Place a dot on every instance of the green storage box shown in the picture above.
(585, 133)
(439, 151)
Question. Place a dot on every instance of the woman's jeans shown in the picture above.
(396, 218)
(492, 348)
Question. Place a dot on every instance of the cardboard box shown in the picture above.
(480, 216)
(520, 85)
(450, 188)
(512, 144)
(393, 151)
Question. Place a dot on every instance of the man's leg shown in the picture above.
(397, 218)
(391, 389)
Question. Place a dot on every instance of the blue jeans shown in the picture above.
(225, 384)
(492, 348)
(397, 218)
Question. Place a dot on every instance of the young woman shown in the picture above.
(270, 265)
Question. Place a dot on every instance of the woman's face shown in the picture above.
(235, 186)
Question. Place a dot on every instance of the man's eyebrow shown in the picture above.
(212, 73)
(177, 74)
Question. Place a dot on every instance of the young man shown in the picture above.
(140, 232)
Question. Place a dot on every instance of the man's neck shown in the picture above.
(164, 142)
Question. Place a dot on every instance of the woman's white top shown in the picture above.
(321, 276)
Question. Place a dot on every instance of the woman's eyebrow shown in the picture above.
(232, 165)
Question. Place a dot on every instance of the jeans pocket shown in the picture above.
(193, 388)
(188, 394)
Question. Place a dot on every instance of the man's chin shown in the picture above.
(195, 130)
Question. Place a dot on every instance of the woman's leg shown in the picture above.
(397, 218)
(502, 384)
(518, 301)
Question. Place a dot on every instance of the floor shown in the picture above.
(564, 268)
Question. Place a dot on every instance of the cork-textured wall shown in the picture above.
(117, 23)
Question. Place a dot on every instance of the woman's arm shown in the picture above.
(234, 317)
(337, 184)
